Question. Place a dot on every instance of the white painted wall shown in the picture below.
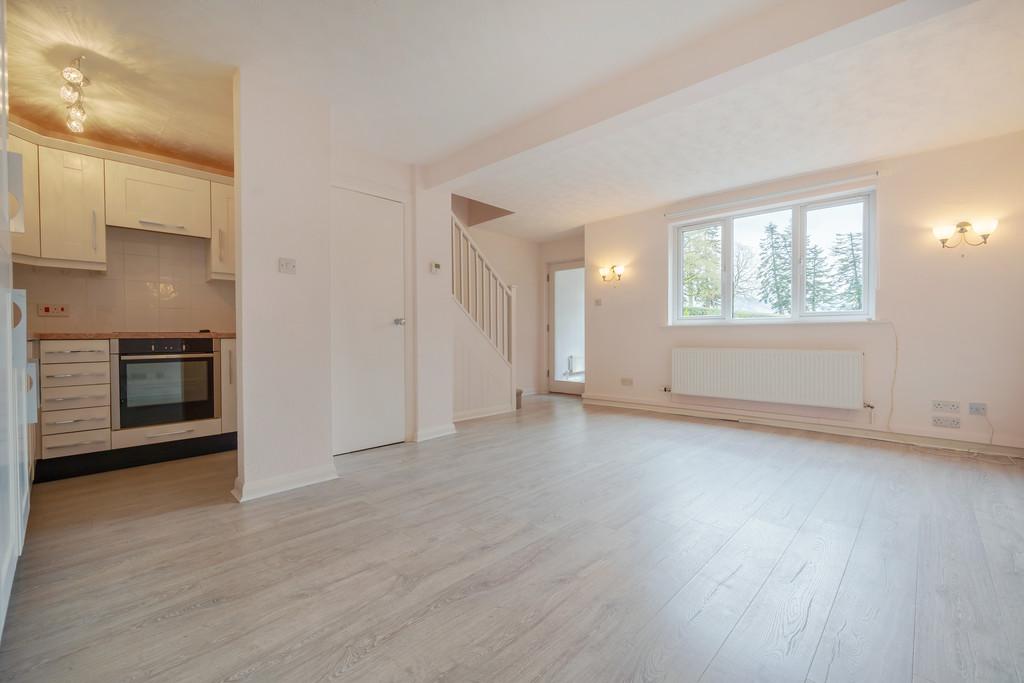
(955, 312)
(481, 375)
(284, 336)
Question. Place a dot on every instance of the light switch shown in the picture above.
(286, 265)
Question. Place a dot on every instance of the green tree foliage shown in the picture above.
(847, 273)
(775, 268)
(818, 280)
(702, 272)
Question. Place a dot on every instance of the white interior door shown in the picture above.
(566, 328)
(367, 321)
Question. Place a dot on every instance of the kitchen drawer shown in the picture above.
(74, 350)
(76, 420)
(65, 398)
(140, 436)
(73, 374)
(59, 445)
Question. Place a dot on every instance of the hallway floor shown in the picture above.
(561, 544)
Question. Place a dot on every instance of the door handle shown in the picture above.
(399, 321)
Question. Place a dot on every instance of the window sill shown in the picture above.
(767, 322)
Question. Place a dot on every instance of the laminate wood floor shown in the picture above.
(561, 544)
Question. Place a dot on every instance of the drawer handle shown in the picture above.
(74, 398)
(78, 443)
(157, 436)
(77, 351)
(161, 225)
(76, 374)
(71, 422)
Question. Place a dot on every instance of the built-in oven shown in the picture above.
(162, 381)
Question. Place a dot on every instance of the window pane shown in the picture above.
(763, 265)
(834, 259)
(700, 293)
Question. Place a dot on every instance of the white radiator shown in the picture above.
(831, 379)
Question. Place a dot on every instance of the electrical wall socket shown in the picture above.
(946, 406)
(946, 421)
(626, 381)
(977, 408)
(52, 311)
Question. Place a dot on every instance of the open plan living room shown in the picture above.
(512, 341)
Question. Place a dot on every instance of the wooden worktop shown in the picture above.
(132, 335)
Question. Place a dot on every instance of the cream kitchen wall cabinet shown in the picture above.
(27, 243)
(159, 201)
(228, 385)
(222, 237)
(71, 209)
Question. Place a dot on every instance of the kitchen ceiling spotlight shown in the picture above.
(72, 96)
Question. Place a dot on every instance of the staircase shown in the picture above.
(484, 367)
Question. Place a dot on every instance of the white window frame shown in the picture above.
(798, 313)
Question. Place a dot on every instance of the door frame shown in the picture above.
(556, 386)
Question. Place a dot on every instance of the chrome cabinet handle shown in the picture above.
(161, 225)
(75, 374)
(399, 321)
(71, 422)
(73, 398)
(79, 443)
(157, 436)
(94, 230)
(220, 244)
(231, 367)
(75, 351)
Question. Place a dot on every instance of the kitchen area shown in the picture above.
(127, 264)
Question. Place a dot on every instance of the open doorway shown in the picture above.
(566, 328)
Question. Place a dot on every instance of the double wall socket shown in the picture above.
(52, 311)
(946, 406)
(977, 408)
(950, 421)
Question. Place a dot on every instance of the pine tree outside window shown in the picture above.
(796, 263)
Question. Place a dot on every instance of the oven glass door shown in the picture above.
(157, 390)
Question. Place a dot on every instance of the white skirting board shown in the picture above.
(251, 490)
(797, 423)
(434, 432)
(483, 412)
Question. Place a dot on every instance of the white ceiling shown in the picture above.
(412, 81)
(952, 79)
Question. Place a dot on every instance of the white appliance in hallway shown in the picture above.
(566, 327)
(367, 321)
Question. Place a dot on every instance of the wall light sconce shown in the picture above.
(615, 272)
(961, 230)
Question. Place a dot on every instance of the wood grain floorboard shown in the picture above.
(561, 543)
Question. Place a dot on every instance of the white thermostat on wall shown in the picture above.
(435, 267)
(286, 265)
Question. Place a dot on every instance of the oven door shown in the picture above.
(162, 389)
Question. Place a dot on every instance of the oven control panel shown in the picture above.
(128, 347)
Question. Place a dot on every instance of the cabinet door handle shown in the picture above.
(220, 243)
(73, 398)
(161, 225)
(75, 421)
(78, 443)
(231, 367)
(75, 374)
(94, 245)
(75, 351)
(157, 436)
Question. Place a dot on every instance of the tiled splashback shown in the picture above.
(153, 283)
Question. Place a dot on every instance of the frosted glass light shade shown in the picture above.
(986, 227)
(944, 232)
(76, 112)
(75, 126)
(70, 93)
(73, 74)
(618, 270)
